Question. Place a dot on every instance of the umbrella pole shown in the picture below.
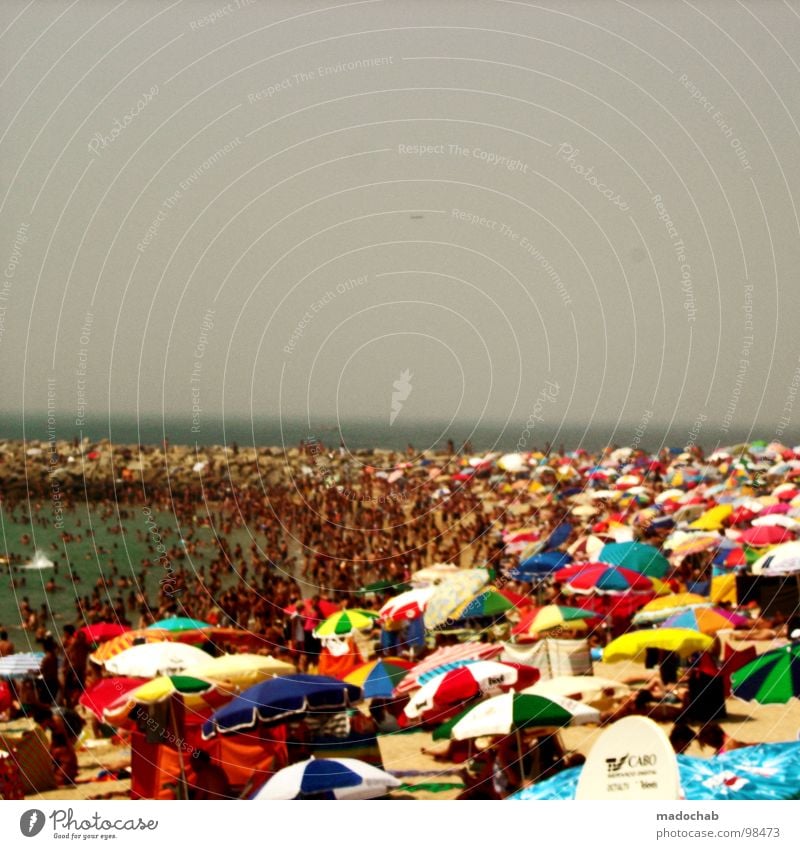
(521, 759)
(183, 787)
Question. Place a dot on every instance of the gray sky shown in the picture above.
(240, 181)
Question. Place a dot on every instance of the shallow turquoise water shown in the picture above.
(88, 557)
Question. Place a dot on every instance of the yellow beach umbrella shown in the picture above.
(633, 646)
(237, 672)
(713, 519)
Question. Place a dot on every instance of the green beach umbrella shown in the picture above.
(511, 712)
(488, 602)
(772, 678)
(639, 556)
(179, 623)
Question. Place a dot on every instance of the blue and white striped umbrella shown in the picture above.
(21, 665)
(328, 778)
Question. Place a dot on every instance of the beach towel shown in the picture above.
(552, 657)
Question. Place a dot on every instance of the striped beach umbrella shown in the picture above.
(406, 606)
(345, 622)
(378, 678)
(512, 712)
(328, 778)
(447, 657)
(466, 682)
(772, 678)
(707, 620)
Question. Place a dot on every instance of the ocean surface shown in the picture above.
(365, 434)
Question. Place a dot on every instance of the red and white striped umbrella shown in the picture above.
(447, 655)
(408, 605)
(466, 682)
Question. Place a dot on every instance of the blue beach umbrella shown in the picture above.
(540, 565)
(277, 699)
(334, 778)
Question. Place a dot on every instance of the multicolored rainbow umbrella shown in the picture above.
(707, 620)
(345, 622)
(662, 608)
(603, 578)
(378, 678)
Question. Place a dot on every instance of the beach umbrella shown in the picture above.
(237, 672)
(467, 682)
(580, 688)
(775, 520)
(21, 665)
(116, 645)
(637, 556)
(540, 565)
(511, 712)
(683, 544)
(434, 574)
(603, 578)
(707, 620)
(489, 602)
(772, 678)
(179, 623)
(451, 594)
(633, 646)
(769, 535)
(781, 560)
(102, 631)
(662, 608)
(152, 659)
(447, 657)
(378, 678)
(278, 699)
(345, 622)
(551, 617)
(107, 692)
(713, 519)
(406, 606)
(328, 778)
(194, 692)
